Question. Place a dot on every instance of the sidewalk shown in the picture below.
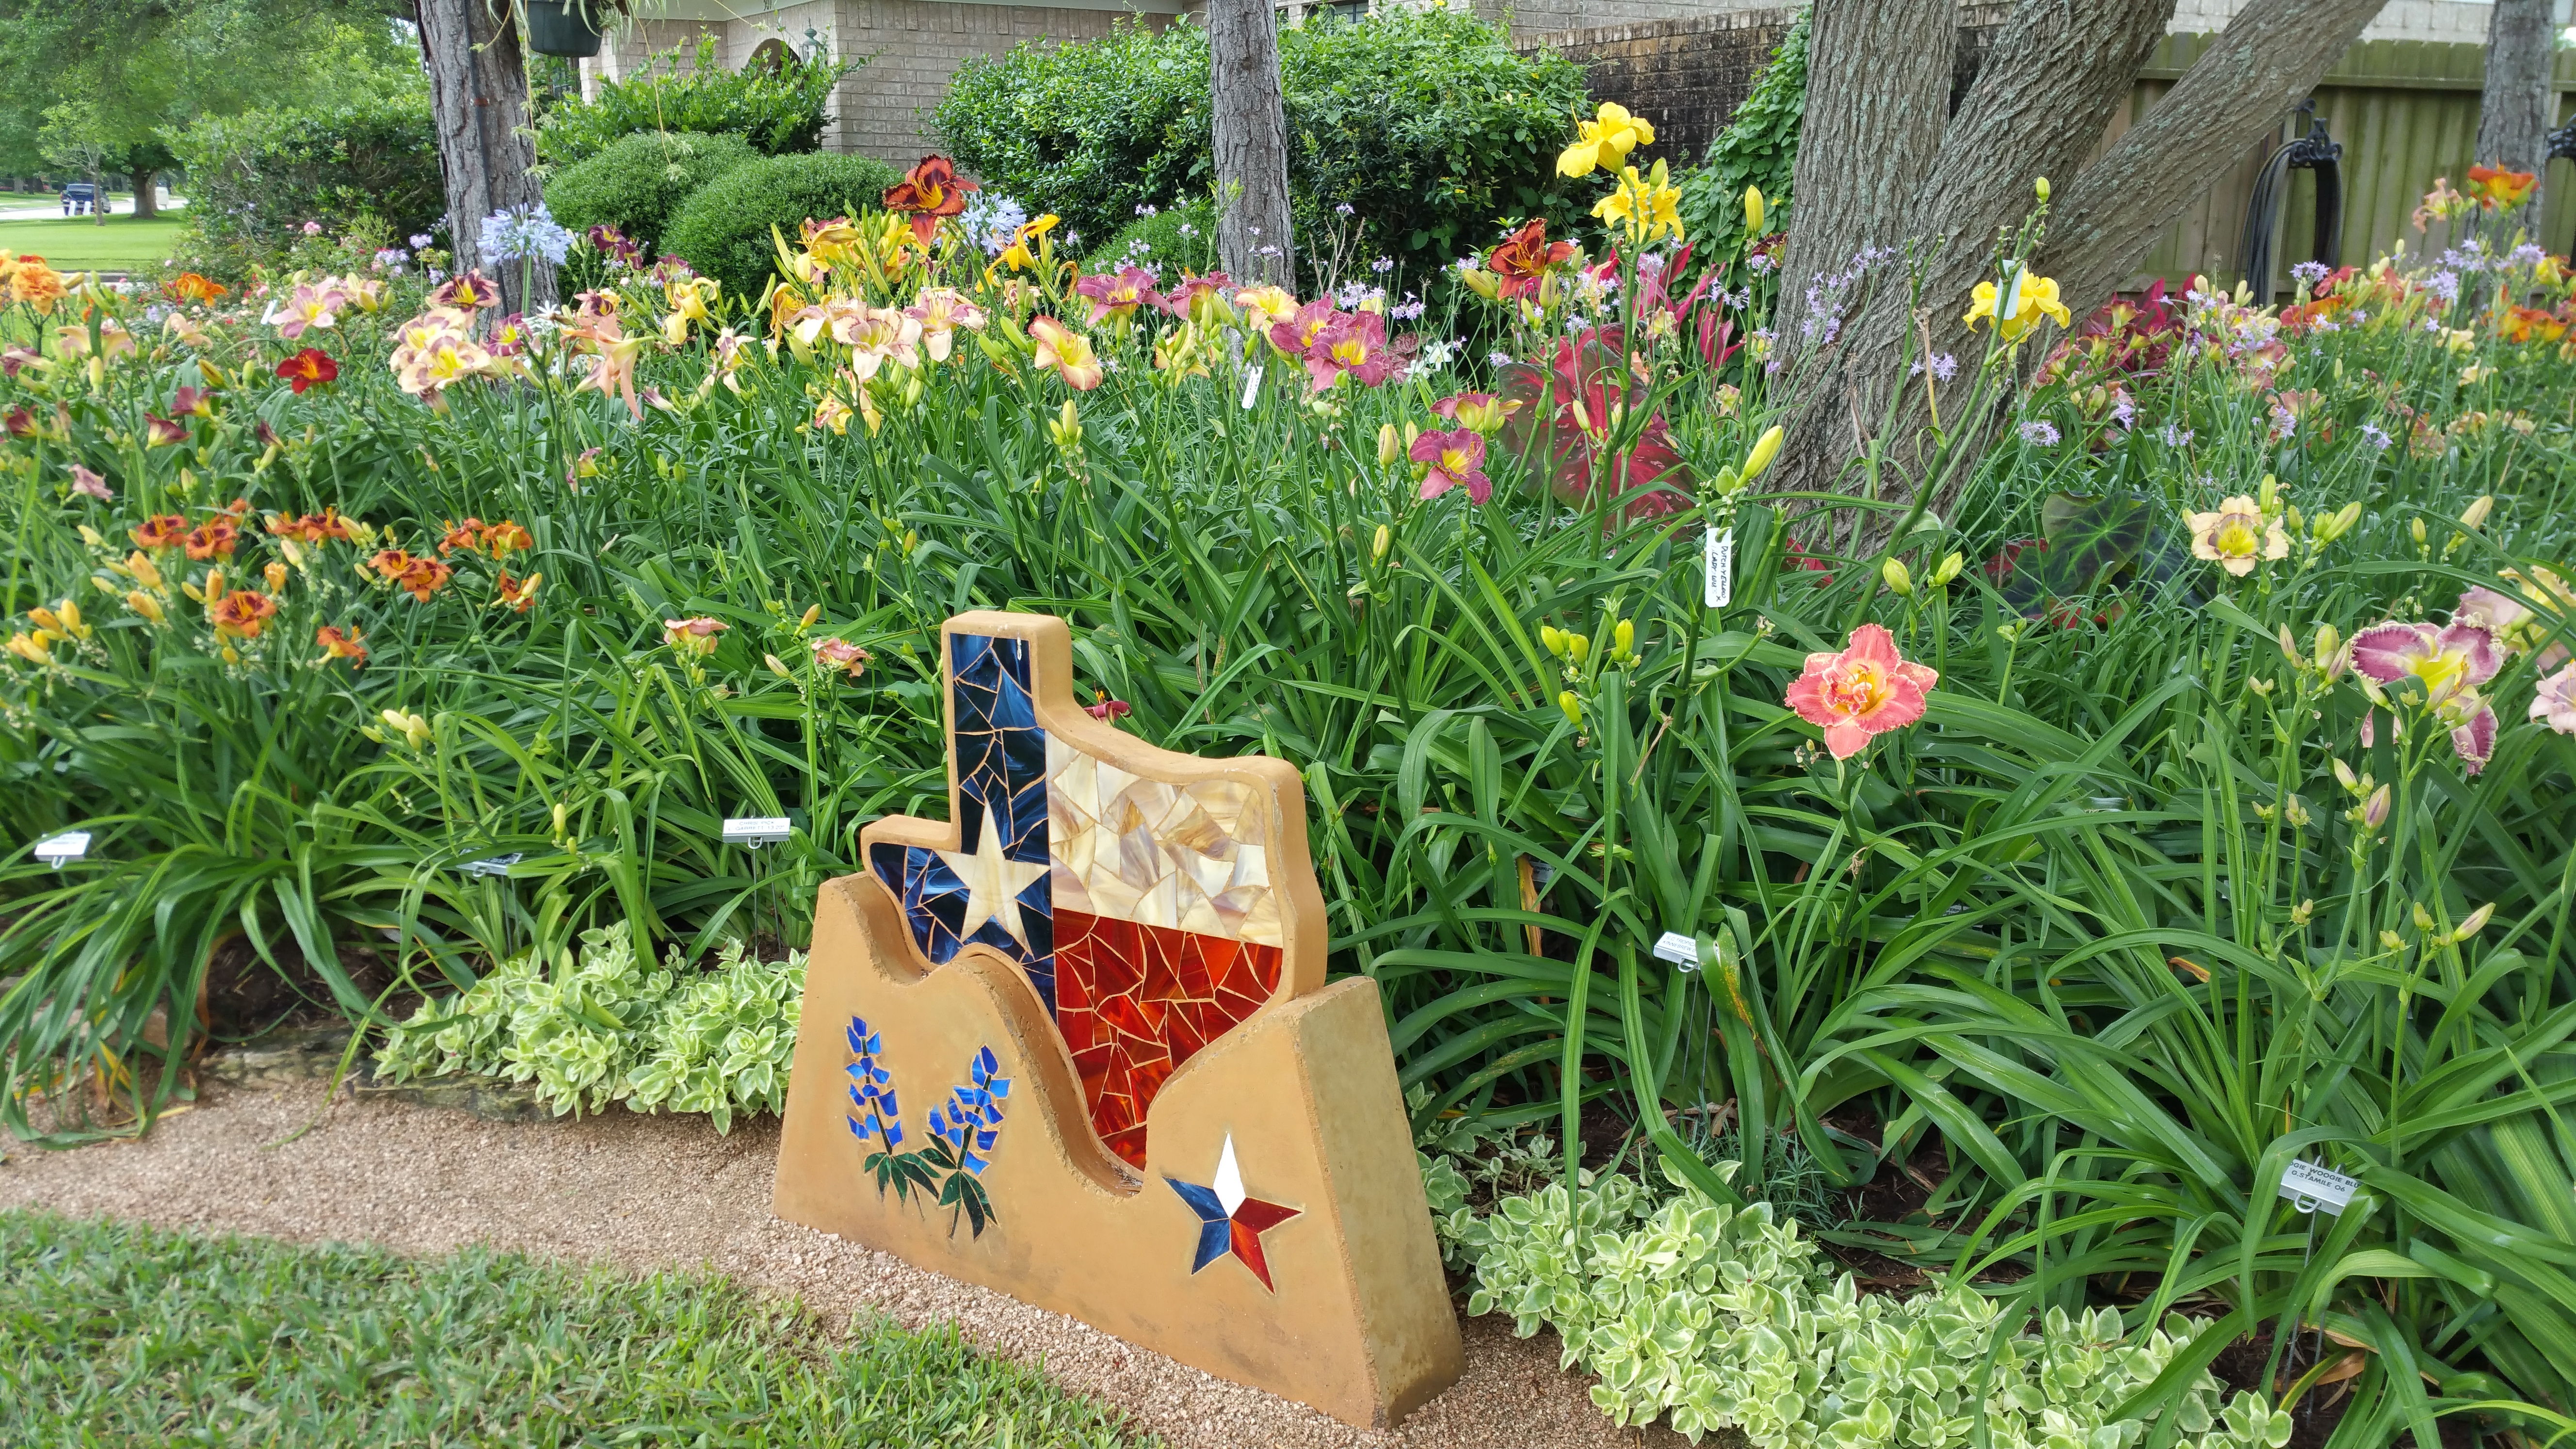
(116, 206)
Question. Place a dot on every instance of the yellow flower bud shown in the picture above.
(775, 666)
(1765, 448)
(2417, 529)
(1949, 569)
(91, 537)
(275, 573)
(2475, 515)
(1753, 210)
(1390, 444)
(562, 813)
(1573, 707)
(2269, 495)
(1578, 647)
(811, 615)
(1893, 574)
(2041, 186)
(2476, 922)
(1553, 638)
(1384, 540)
(1624, 638)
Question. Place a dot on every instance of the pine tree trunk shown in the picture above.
(2515, 113)
(478, 96)
(147, 203)
(1251, 123)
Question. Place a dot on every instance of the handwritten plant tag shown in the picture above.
(1721, 567)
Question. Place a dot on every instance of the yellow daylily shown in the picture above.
(2018, 304)
(1649, 206)
(1016, 256)
(1605, 141)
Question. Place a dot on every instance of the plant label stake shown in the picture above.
(1721, 567)
(1679, 949)
(1251, 386)
(754, 831)
(498, 865)
(69, 846)
(2310, 1186)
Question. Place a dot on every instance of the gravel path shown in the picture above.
(650, 1192)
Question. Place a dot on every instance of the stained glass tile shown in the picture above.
(1147, 1008)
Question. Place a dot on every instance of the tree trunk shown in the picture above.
(2515, 113)
(1252, 227)
(478, 97)
(147, 202)
(2059, 70)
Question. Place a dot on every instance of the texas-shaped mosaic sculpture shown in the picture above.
(1104, 979)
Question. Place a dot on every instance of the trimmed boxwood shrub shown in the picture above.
(779, 113)
(638, 183)
(256, 178)
(1424, 122)
(724, 228)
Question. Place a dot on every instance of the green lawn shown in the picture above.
(80, 244)
(116, 1334)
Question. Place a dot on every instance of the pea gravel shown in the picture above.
(648, 1192)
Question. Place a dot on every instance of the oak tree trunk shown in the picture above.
(478, 96)
(147, 202)
(1252, 227)
(2515, 113)
(2057, 73)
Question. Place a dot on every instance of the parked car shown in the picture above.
(80, 198)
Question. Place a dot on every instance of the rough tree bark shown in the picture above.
(2515, 113)
(147, 200)
(2058, 71)
(1251, 124)
(478, 97)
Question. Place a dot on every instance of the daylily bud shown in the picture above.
(1578, 647)
(2475, 515)
(1573, 707)
(1898, 581)
(2332, 526)
(1384, 540)
(1949, 569)
(2041, 186)
(776, 666)
(2391, 941)
(562, 813)
(2417, 529)
(2423, 917)
(2346, 778)
(144, 604)
(2374, 811)
(1624, 639)
(811, 615)
(1390, 444)
(2331, 653)
(91, 537)
(2476, 922)
(1753, 210)
(276, 575)
(1554, 638)
(1765, 448)
(1483, 283)
(2269, 495)
(2297, 521)
(2290, 647)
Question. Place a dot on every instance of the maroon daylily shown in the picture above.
(931, 190)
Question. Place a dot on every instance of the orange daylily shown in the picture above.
(338, 643)
(2497, 189)
(214, 538)
(161, 530)
(241, 614)
(518, 593)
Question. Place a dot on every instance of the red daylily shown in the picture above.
(161, 432)
(931, 190)
(1525, 259)
(310, 368)
(1107, 708)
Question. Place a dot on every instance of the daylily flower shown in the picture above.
(306, 308)
(309, 368)
(2018, 304)
(1066, 353)
(832, 413)
(1200, 299)
(614, 376)
(86, 482)
(1297, 335)
(1456, 460)
(2450, 663)
(928, 192)
(190, 287)
(693, 636)
(687, 298)
(390, 562)
(2530, 324)
(214, 538)
(939, 312)
(1864, 691)
(1118, 294)
(423, 577)
(338, 643)
(37, 285)
(1604, 140)
(1481, 411)
(470, 292)
(842, 655)
(1648, 208)
(161, 432)
(312, 528)
(2554, 701)
(1103, 707)
(1016, 257)
(1268, 305)
(2237, 536)
(2497, 189)
(2516, 626)
(241, 614)
(505, 537)
(1523, 261)
(467, 535)
(1354, 344)
(517, 593)
(881, 336)
(161, 530)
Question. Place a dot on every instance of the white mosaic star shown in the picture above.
(1229, 1179)
(993, 884)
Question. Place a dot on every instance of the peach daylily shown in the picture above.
(2237, 536)
(693, 636)
(842, 655)
(1066, 353)
(1864, 691)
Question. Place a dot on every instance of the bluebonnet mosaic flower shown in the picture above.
(875, 1116)
(525, 233)
(972, 1119)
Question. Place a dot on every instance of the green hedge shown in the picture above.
(640, 181)
(255, 179)
(724, 229)
(777, 114)
(1424, 122)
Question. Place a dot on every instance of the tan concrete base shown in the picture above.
(1358, 1324)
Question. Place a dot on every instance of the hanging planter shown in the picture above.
(568, 28)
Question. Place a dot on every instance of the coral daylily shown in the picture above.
(241, 614)
(615, 374)
(842, 655)
(505, 536)
(312, 528)
(1481, 411)
(692, 636)
(1522, 262)
(1866, 690)
(2017, 305)
(35, 284)
(1648, 208)
(339, 643)
(2530, 324)
(2497, 189)
(1268, 305)
(2237, 536)
(309, 368)
(1605, 140)
(424, 577)
(1456, 460)
(2553, 703)
(931, 190)
(1066, 353)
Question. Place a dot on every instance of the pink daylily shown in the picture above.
(2450, 663)
(1457, 460)
(1866, 690)
(1294, 335)
(1118, 294)
(2554, 702)
(304, 309)
(86, 482)
(1354, 344)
